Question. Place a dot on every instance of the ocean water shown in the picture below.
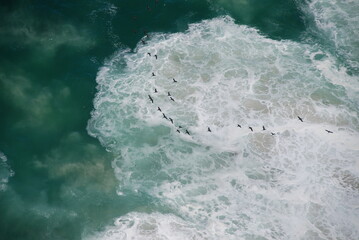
(85, 154)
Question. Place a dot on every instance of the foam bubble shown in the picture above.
(231, 183)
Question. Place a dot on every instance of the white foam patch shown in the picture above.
(301, 183)
(337, 21)
(5, 172)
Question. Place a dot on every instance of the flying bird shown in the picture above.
(149, 54)
(209, 130)
(159, 109)
(328, 131)
(187, 132)
(155, 90)
(300, 118)
(174, 80)
(150, 98)
(153, 74)
(156, 56)
(171, 120)
(239, 126)
(164, 116)
(172, 99)
(251, 128)
(264, 128)
(178, 131)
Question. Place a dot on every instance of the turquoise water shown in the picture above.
(84, 154)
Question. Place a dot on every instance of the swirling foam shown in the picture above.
(337, 22)
(301, 183)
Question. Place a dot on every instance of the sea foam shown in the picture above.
(5, 172)
(231, 183)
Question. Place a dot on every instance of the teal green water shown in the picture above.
(60, 183)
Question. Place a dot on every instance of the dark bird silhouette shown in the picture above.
(328, 131)
(164, 116)
(272, 133)
(153, 74)
(251, 128)
(174, 80)
(179, 126)
(209, 130)
(264, 128)
(150, 98)
(155, 90)
(187, 132)
(239, 126)
(169, 94)
(300, 118)
(172, 99)
(143, 42)
(171, 120)
(156, 56)
(159, 109)
(149, 54)
(178, 131)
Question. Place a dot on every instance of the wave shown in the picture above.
(231, 183)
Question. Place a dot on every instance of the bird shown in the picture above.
(264, 128)
(159, 109)
(174, 80)
(164, 116)
(328, 131)
(251, 128)
(209, 130)
(187, 132)
(156, 56)
(179, 126)
(150, 98)
(178, 131)
(172, 99)
(143, 42)
(155, 90)
(239, 126)
(300, 118)
(171, 120)
(272, 133)
(149, 54)
(169, 94)
(153, 74)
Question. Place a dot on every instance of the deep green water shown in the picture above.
(64, 186)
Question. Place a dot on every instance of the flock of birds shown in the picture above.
(172, 99)
(208, 128)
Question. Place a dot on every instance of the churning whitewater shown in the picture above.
(230, 183)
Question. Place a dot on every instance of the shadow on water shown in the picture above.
(50, 55)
